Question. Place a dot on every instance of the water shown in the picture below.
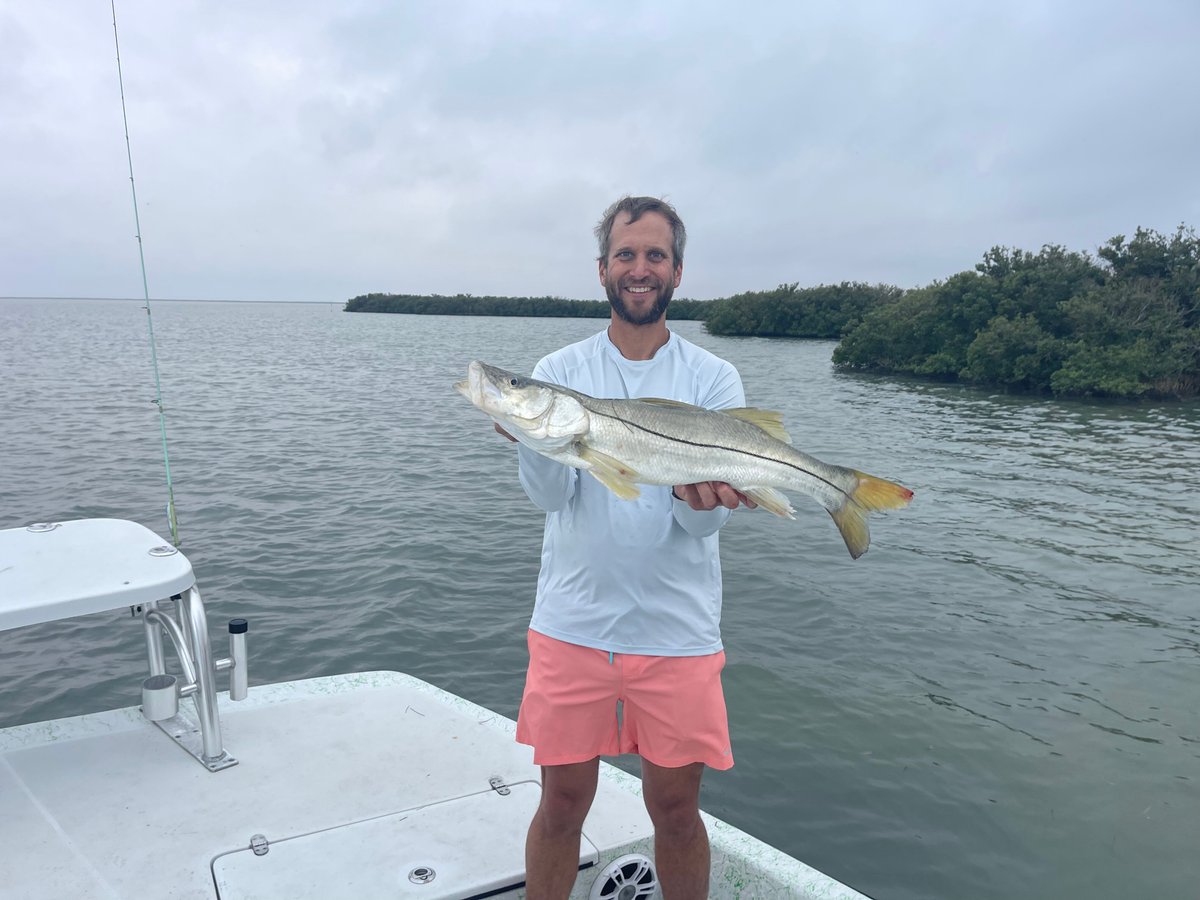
(999, 700)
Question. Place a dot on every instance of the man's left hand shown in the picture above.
(705, 495)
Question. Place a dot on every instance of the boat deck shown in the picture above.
(356, 782)
(106, 805)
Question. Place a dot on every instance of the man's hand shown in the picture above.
(705, 495)
(500, 430)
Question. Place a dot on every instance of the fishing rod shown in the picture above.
(162, 416)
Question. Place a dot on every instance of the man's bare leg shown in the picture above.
(680, 842)
(552, 847)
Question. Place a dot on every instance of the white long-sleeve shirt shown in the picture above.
(629, 576)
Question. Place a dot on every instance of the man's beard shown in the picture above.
(651, 315)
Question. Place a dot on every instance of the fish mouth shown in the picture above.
(469, 387)
(480, 389)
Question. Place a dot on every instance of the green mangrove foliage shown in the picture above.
(825, 311)
(468, 305)
(1125, 325)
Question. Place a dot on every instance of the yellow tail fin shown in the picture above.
(875, 493)
(869, 495)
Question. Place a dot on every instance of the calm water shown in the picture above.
(1000, 700)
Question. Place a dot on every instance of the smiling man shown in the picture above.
(645, 267)
(628, 601)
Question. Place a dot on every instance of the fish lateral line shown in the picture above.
(749, 453)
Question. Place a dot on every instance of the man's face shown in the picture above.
(639, 274)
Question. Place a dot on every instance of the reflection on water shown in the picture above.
(998, 700)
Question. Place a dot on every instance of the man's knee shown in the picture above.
(566, 803)
(674, 814)
(567, 794)
(673, 798)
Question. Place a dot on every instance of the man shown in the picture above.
(629, 595)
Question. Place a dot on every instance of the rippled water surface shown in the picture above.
(1000, 700)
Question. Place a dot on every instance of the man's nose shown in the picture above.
(641, 266)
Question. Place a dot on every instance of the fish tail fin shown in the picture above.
(869, 495)
(875, 494)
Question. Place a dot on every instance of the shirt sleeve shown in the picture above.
(726, 392)
(548, 483)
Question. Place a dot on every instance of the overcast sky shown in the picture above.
(303, 150)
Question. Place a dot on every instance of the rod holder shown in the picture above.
(239, 678)
(160, 697)
(199, 735)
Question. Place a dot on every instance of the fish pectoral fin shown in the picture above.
(771, 500)
(612, 473)
(767, 419)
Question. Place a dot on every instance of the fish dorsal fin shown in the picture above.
(767, 419)
(670, 404)
(612, 473)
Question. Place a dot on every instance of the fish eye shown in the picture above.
(513, 382)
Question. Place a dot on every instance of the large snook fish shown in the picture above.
(649, 441)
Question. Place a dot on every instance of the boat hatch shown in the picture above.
(466, 847)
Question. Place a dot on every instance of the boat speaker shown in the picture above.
(630, 877)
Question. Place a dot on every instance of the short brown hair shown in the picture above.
(636, 207)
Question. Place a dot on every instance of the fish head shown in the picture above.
(537, 413)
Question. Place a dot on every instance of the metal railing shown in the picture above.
(162, 691)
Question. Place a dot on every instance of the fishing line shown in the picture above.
(162, 416)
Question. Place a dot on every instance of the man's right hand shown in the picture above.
(706, 495)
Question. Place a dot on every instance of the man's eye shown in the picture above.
(656, 256)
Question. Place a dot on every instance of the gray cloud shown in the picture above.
(315, 151)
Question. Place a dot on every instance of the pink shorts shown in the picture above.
(672, 707)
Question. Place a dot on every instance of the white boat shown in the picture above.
(364, 785)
